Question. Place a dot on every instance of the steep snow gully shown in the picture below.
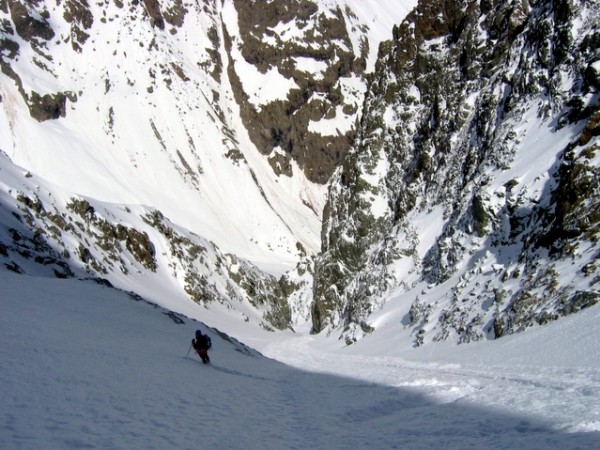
(134, 152)
(86, 366)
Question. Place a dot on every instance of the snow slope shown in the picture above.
(84, 366)
(146, 129)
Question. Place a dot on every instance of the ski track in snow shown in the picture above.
(84, 366)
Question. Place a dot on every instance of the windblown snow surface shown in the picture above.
(87, 366)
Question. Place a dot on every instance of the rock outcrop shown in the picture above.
(306, 47)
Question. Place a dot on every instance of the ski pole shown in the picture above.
(186, 355)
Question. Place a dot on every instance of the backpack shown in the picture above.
(208, 342)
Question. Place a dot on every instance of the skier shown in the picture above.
(201, 345)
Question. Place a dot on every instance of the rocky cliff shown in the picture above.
(473, 185)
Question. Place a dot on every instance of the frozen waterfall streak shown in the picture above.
(264, 195)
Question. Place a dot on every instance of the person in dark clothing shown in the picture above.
(200, 344)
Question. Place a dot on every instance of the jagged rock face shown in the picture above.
(28, 25)
(306, 51)
(444, 122)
